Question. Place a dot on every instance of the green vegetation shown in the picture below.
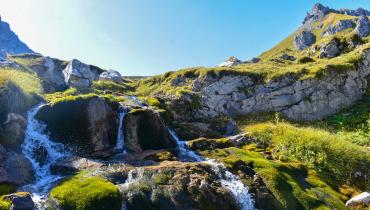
(101, 86)
(294, 186)
(4, 204)
(86, 193)
(335, 159)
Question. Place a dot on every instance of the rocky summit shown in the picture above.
(288, 129)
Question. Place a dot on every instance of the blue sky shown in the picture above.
(147, 37)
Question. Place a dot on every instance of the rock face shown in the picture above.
(363, 27)
(303, 40)
(287, 57)
(86, 125)
(330, 49)
(177, 186)
(232, 61)
(111, 75)
(144, 129)
(309, 99)
(20, 201)
(10, 43)
(338, 27)
(15, 168)
(14, 128)
(78, 74)
(363, 198)
(73, 164)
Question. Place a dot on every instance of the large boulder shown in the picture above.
(86, 125)
(14, 128)
(303, 40)
(15, 168)
(73, 164)
(363, 26)
(111, 75)
(20, 201)
(78, 74)
(338, 27)
(330, 49)
(144, 129)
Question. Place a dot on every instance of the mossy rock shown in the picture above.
(86, 193)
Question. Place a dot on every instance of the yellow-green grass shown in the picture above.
(335, 159)
(86, 193)
(28, 82)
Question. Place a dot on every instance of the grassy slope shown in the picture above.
(269, 67)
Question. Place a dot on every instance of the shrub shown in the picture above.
(86, 193)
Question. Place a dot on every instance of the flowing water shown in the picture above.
(42, 152)
(120, 136)
(226, 178)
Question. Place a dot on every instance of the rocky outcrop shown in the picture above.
(15, 168)
(20, 201)
(309, 99)
(330, 49)
(14, 128)
(338, 27)
(361, 199)
(230, 62)
(303, 40)
(144, 129)
(10, 43)
(363, 26)
(111, 75)
(78, 74)
(86, 125)
(287, 57)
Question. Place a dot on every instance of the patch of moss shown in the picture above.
(7, 188)
(86, 193)
(4, 204)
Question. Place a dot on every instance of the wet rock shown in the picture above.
(14, 128)
(20, 201)
(363, 26)
(72, 164)
(85, 125)
(363, 198)
(78, 74)
(330, 49)
(144, 129)
(232, 61)
(304, 40)
(111, 75)
(16, 169)
(338, 27)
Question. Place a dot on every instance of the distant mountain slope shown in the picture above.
(10, 43)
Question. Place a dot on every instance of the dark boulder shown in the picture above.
(15, 168)
(85, 124)
(20, 201)
(13, 131)
(144, 129)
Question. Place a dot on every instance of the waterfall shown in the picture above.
(42, 152)
(226, 178)
(120, 136)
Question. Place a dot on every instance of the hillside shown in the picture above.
(289, 129)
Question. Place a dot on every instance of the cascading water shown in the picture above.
(42, 152)
(120, 136)
(227, 179)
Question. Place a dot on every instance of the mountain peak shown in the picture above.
(319, 11)
(10, 43)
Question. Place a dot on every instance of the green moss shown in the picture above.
(86, 193)
(4, 205)
(7, 189)
(110, 86)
